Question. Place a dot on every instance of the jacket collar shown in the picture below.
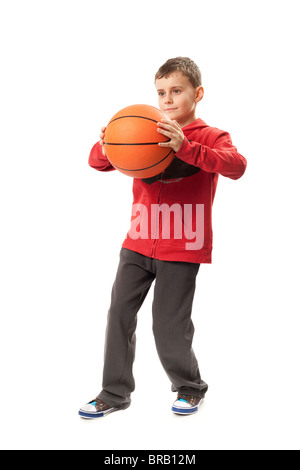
(195, 125)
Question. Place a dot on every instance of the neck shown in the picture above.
(187, 121)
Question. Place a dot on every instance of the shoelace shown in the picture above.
(187, 398)
(181, 395)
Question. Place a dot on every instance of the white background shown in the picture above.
(66, 67)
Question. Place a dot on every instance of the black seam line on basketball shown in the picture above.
(147, 168)
(137, 143)
(132, 116)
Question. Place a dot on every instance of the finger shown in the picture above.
(164, 132)
(170, 131)
(165, 144)
(170, 122)
(103, 129)
(166, 125)
(177, 125)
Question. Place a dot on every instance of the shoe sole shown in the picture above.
(186, 411)
(96, 414)
(181, 411)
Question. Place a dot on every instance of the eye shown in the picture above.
(177, 91)
(160, 93)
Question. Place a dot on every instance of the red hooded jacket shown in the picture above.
(172, 212)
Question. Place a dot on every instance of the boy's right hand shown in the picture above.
(102, 133)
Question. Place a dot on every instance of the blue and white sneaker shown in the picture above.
(95, 409)
(186, 404)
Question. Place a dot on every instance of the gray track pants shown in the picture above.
(172, 325)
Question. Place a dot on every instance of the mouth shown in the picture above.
(170, 109)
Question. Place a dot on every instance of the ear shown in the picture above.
(199, 93)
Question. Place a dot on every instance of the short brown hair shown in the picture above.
(181, 64)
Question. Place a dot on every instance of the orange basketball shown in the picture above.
(131, 142)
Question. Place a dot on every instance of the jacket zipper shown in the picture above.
(155, 241)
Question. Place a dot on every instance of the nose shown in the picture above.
(168, 98)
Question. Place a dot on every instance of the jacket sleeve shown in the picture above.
(99, 161)
(222, 157)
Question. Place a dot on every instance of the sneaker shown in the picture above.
(186, 404)
(95, 409)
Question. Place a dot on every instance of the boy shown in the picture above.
(169, 253)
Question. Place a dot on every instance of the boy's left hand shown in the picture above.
(172, 130)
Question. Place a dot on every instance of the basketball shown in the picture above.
(131, 142)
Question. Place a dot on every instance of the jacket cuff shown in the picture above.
(187, 152)
(185, 147)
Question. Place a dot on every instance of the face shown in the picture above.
(177, 98)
